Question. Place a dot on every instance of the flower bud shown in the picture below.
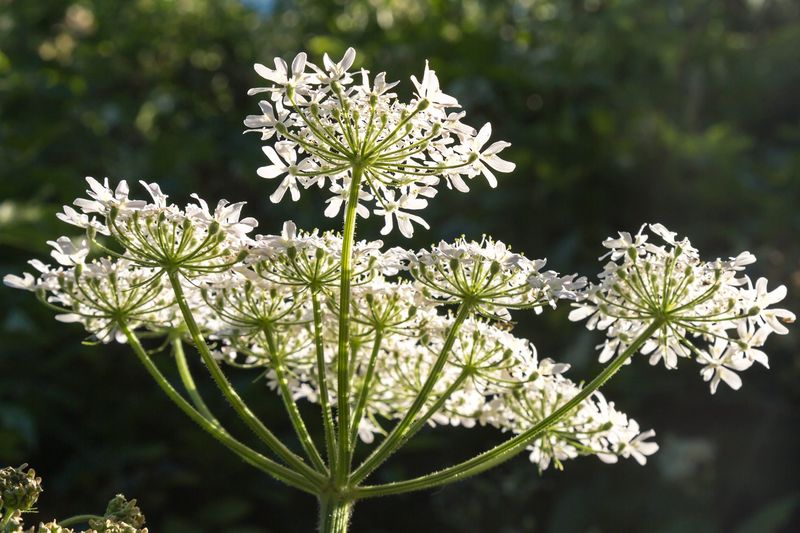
(119, 514)
(19, 489)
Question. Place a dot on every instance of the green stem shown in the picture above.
(398, 434)
(241, 408)
(291, 405)
(334, 515)
(322, 380)
(188, 381)
(363, 395)
(417, 425)
(79, 519)
(342, 359)
(278, 471)
(511, 447)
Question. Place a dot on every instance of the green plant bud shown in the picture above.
(632, 253)
(241, 256)
(494, 268)
(213, 228)
(113, 213)
(280, 128)
(423, 104)
(453, 264)
(319, 253)
(412, 311)
(291, 252)
(370, 298)
(19, 488)
(314, 109)
(472, 158)
(78, 270)
(121, 516)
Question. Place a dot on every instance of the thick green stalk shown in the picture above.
(241, 408)
(399, 432)
(291, 405)
(511, 447)
(322, 380)
(188, 380)
(278, 471)
(334, 515)
(342, 354)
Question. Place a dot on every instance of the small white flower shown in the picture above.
(722, 361)
(392, 210)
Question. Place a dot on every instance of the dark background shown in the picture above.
(620, 112)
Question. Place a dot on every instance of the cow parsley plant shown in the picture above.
(386, 341)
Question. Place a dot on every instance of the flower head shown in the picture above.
(706, 310)
(330, 128)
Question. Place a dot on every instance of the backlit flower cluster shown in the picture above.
(336, 129)
(256, 298)
(490, 277)
(706, 310)
(388, 341)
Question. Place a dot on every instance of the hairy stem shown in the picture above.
(399, 432)
(291, 405)
(342, 354)
(334, 515)
(278, 471)
(363, 394)
(241, 408)
(188, 380)
(322, 380)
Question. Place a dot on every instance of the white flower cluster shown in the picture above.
(489, 276)
(418, 337)
(334, 129)
(492, 378)
(706, 310)
(256, 299)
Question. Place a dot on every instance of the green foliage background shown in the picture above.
(619, 111)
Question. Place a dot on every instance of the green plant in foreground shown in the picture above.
(20, 490)
(387, 341)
